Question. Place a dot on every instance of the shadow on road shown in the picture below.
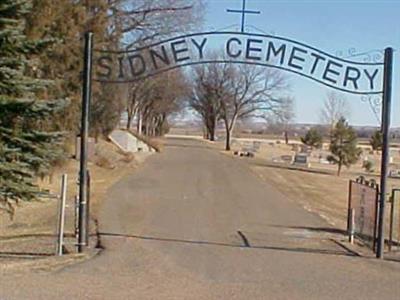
(246, 244)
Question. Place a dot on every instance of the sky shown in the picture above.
(336, 27)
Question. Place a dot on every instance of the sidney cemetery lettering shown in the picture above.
(243, 48)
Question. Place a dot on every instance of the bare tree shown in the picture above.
(250, 90)
(153, 100)
(145, 21)
(209, 86)
(232, 92)
(335, 107)
(139, 92)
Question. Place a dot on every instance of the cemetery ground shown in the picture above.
(197, 224)
(316, 186)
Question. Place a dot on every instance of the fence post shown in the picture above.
(87, 231)
(349, 206)
(61, 215)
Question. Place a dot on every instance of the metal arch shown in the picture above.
(235, 62)
(243, 34)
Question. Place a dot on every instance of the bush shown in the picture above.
(368, 166)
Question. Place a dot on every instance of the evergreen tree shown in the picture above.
(343, 145)
(313, 138)
(65, 21)
(27, 147)
(376, 140)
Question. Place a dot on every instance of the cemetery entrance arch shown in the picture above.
(353, 77)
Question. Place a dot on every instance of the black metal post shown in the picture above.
(87, 209)
(386, 105)
(86, 95)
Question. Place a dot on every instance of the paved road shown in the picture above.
(196, 224)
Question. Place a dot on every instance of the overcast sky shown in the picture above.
(332, 26)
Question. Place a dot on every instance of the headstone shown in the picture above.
(394, 173)
(301, 159)
(91, 148)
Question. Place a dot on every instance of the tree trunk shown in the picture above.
(339, 169)
(211, 134)
(213, 129)
(210, 127)
(229, 129)
(228, 140)
(147, 127)
(286, 137)
(205, 132)
(129, 121)
(139, 124)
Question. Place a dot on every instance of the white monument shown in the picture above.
(128, 142)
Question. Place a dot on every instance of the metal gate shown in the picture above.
(394, 231)
(363, 210)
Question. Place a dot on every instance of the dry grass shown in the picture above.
(318, 189)
(325, 194)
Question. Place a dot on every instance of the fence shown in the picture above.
(363, 210)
